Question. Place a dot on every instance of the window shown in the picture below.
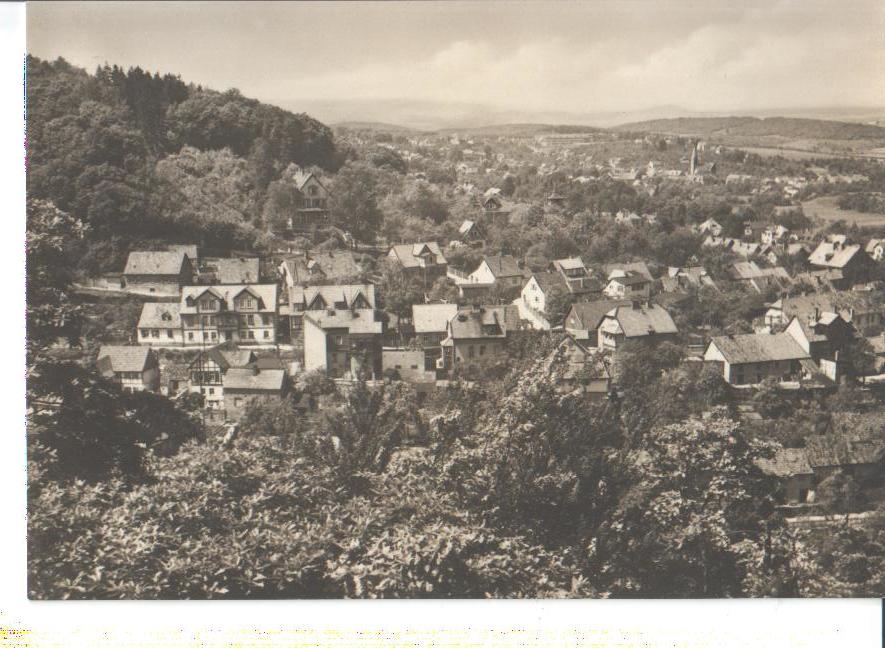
(471, 351)
(238, 402)
(155, 333)
(414, 366)
(266, 335)
(190, 335)
(250, 320)
(169, 334)
(397, 366)
(212, 391)
(251, 335)
(213, 335)
(482, 349)
(144, 333)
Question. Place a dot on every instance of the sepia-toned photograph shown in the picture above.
(455, 300)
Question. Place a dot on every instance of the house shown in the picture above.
(250, 385)
(849, 453)
(238, 270)
(580, 369)
(752, 357)
(206, 372)
(748, 273)
(823, 337)
(157, 272)
(875, 248)
(541, 287)
(501, 270)
(583, 319)
(470, 231)
(160, 324)
(408, 364)
(838, 253)
(174, 377)
(865, 310)
(577, 277)
(687, 277)
(134, 368)
(815, 280)
(478, 335)
(420, 258)
(343, 343)
(316, 298)
(494, 207)
(312, 207)
(774, 234)
(329, 266)
(791, 467)
(627, 285)
(623, 268)
(431, 323)
(636, 321)
(244, 313)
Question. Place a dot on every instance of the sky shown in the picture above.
(545, 56)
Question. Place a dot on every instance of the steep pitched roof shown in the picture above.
(406, 253)
(630, 279)
(590, 314)
(266, 293)
(758, 347)
(333, 264)
(634, 266)
(550, 281)
(503, 265)
(485, 322)
(843, 450)
(234, 271)
(432, 318)
(358, 321)
(331, 295)
(786, 462)
(160, 315)
(125, 358)
(648, 319)
(833, 254)
(164, 262)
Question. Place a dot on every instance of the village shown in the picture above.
(251, 331)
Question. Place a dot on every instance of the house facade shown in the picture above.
(134, 368)
(478, 335)
(245, 314)
(750, 358)
(343, 343)
(157, 273)
(160, 325)
(637, 321)
(250, 385)
(425, 259)
(501, 270)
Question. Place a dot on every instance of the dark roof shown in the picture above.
(484, 322)
(631, 279)
(550, 281)
(254, 380)
(843, 450)
(758, 347)
(648, 319)
(166, 262)
(234, 271)
(590, 314)
(124, 358)
(786, 462)
(503, 265)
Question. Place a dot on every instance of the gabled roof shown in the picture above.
(590, 314)
(832, 254)
(570, 263)
(240, 378)
(758, 347)
(165, 262)
(357, 321)
(266, 294)
(635, 266)
(234, 271)
(786, 462)
(484, 322)
(503, 265)
(550, 281)
(331, 295)
(872, 244)
(333, 264)
(432, 318)
(302, 177)
(407, 256)
(124, 358)
(843, 450)
(647, 319)
(160, 315)
(630, 279)
(466, 227)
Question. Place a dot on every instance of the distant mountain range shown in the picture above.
(786, 127)
(394, 114)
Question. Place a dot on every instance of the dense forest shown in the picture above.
(137, 156)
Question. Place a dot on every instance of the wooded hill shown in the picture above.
(140, 156)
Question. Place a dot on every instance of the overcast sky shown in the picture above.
(588, 56)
